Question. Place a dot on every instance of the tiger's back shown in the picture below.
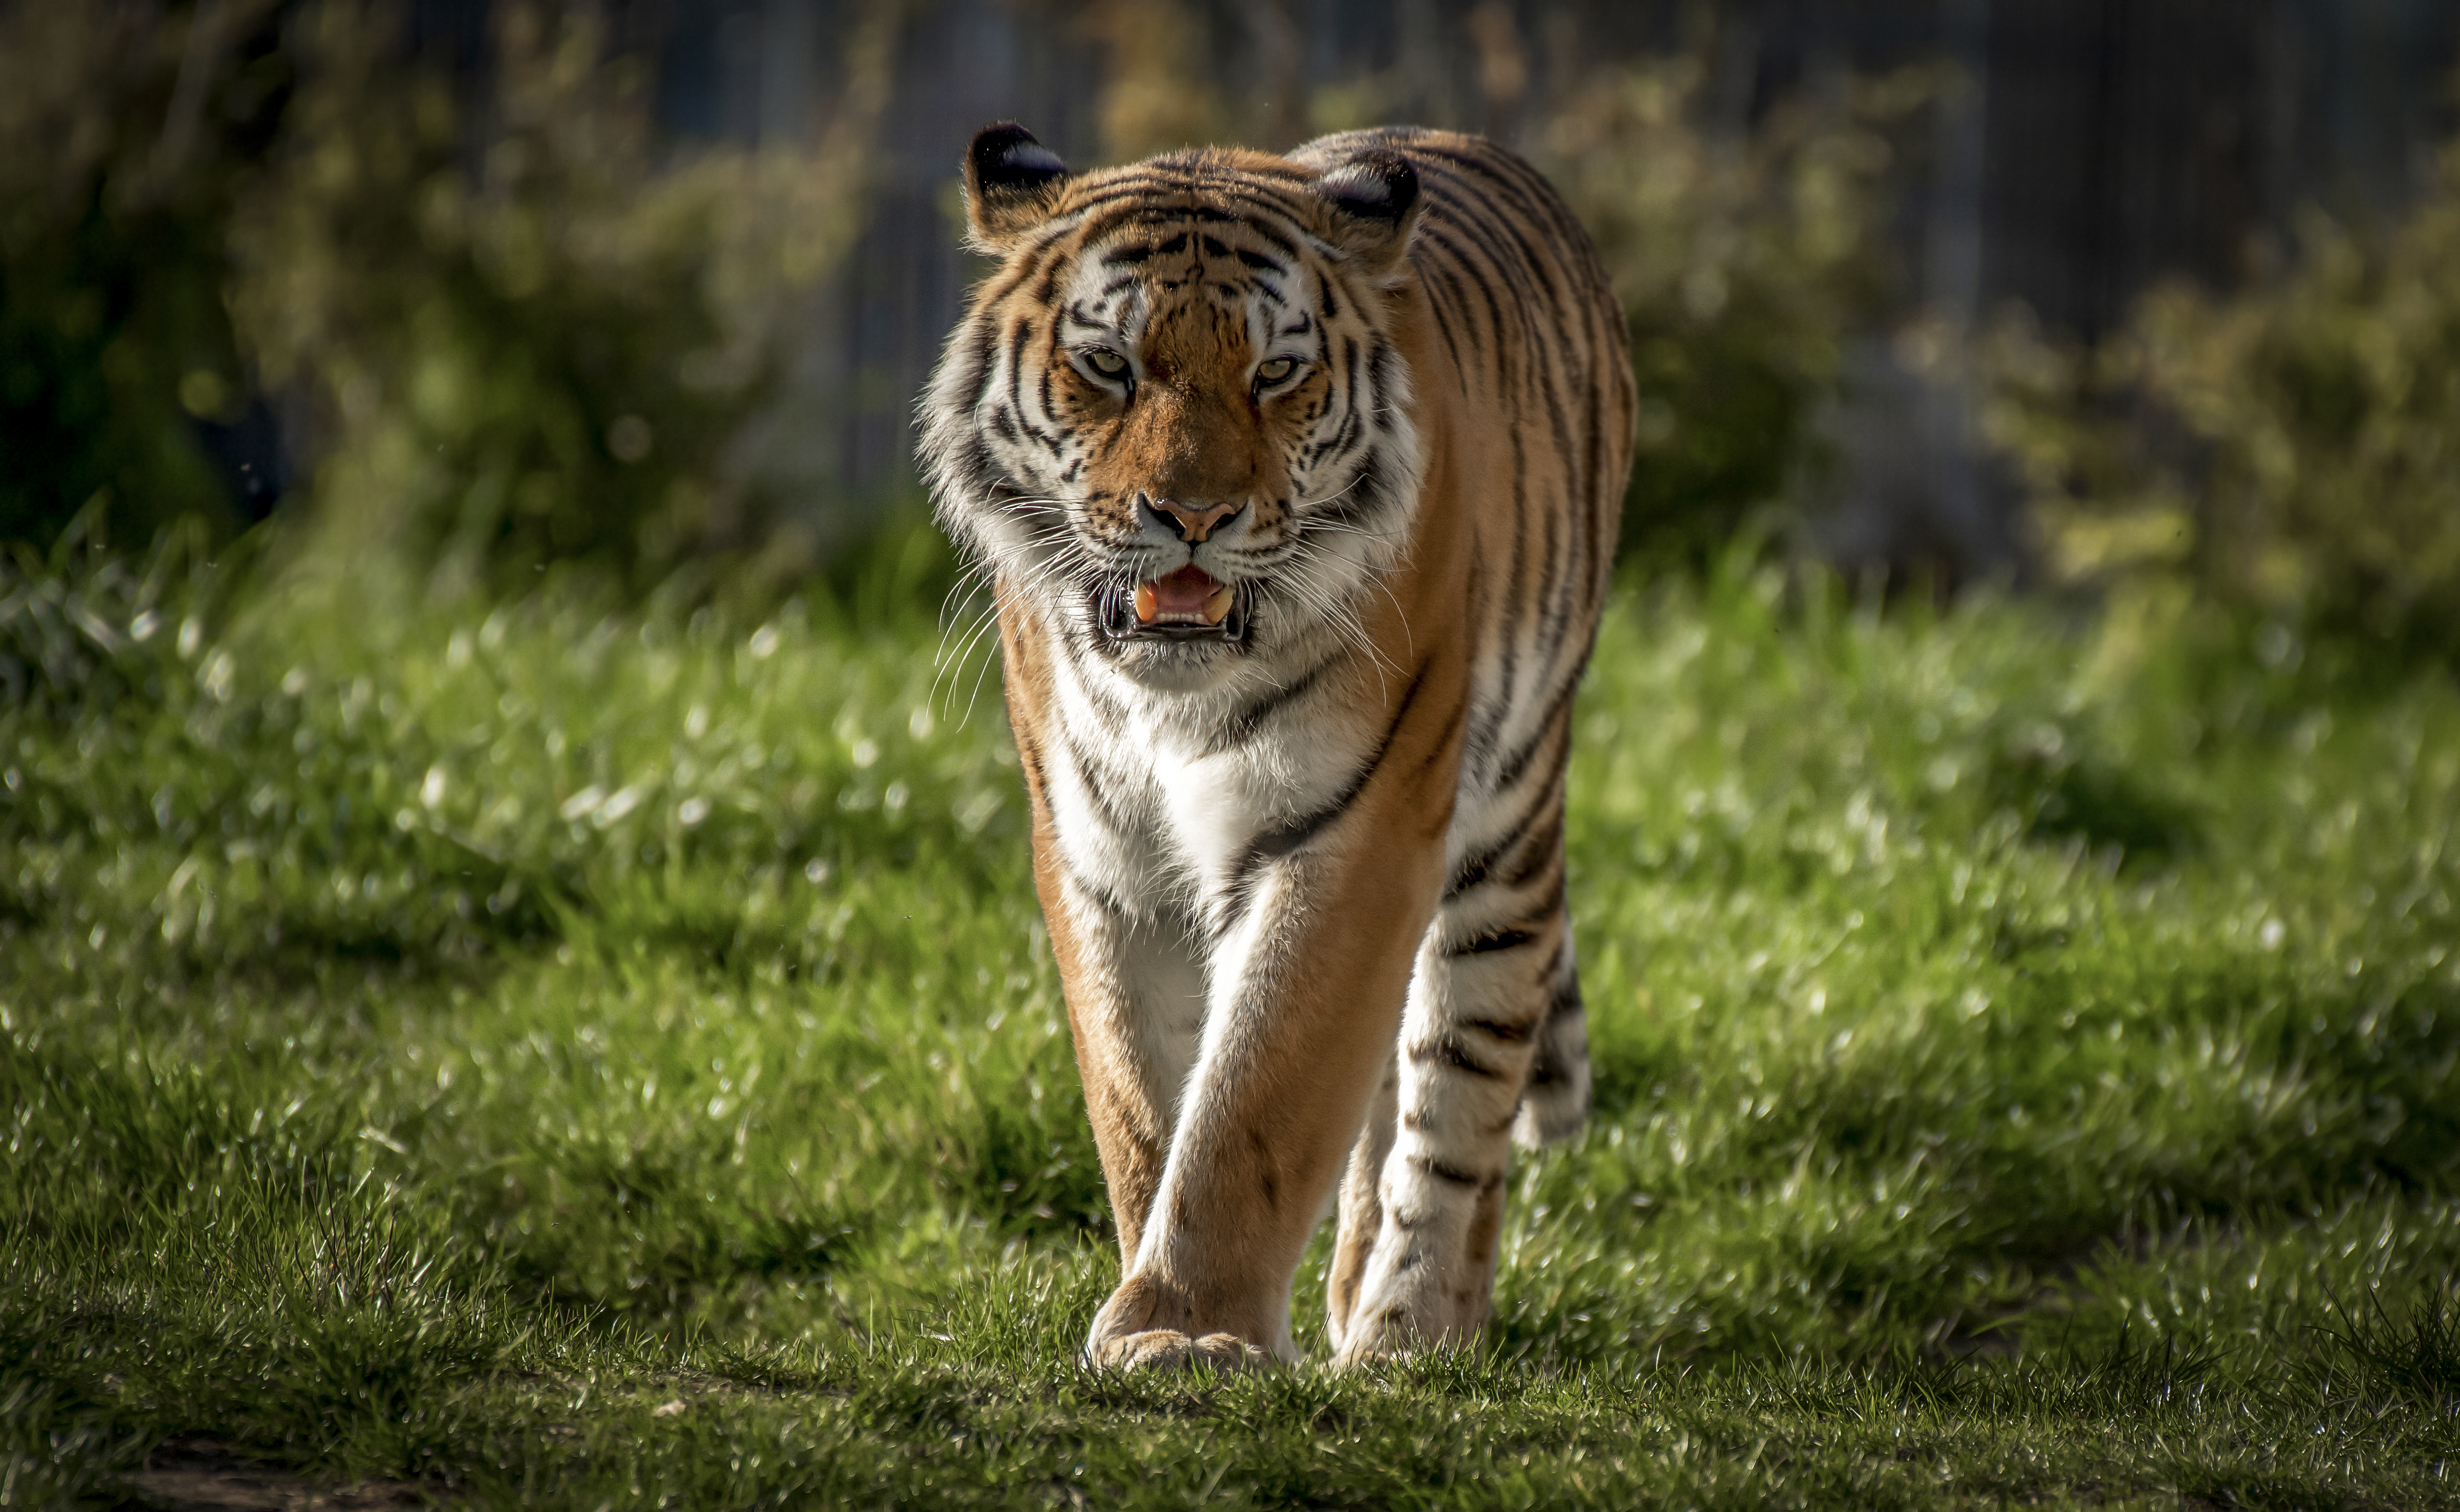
(1297, 481)
(1534, 339)
(1529, 441)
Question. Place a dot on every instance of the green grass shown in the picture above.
(433, 1039)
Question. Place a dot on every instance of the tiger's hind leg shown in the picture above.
(1555, 1101)
(1492, 1043)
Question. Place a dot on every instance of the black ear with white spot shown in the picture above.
(1374, 197)
(1010, 182)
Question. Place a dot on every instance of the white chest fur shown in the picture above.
(1159, 797)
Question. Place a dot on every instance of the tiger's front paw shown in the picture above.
(1145, 1324)
(1168, 1349)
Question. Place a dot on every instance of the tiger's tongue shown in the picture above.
(1190, 593)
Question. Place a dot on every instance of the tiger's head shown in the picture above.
(1174, 419)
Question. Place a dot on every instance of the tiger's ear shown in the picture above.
(1012, 181)
(1374, 199)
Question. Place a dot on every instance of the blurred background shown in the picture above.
(1944, 291)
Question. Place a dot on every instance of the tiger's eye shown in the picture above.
(1105, 362)
(1278, 368)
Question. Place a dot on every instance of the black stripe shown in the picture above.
(1016, 365)
(1499, 261)
(974, 465)
(1545, 859)
(1042, 390)
(982, 345)
(1492, 940)
(1444, 1173)
(1280, 841)
(1510, 1033)
(1475, 868)
(1365, 494)
(1547, 269)
(1382, 362)
(1244, 724)
(1448, 1052)
(1509, 774)
(1102, 896)
(1450, 731)
(1049, 283)
(1008, 279)
(1537, 275)
(1339, 443)
(1538, 198)
(1507, 626)
(1138, 210)
(1465, 274)
(1500, 345)
(1448, 310)
(1276, 843)
(1553, 615)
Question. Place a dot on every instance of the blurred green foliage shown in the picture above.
(493, 350)
(506, 325)
(541, 352)
(2292, 449)
(1743, 262)
(125, 130)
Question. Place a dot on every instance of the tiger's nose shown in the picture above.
(1191, 524)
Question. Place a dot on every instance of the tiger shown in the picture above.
(1295, 483)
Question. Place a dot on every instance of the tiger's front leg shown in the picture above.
(1310, 928)
(1136, 1009)
(1308, 970)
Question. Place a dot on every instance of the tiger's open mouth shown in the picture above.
(1189, 605)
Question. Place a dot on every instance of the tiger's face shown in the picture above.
(1174, 419)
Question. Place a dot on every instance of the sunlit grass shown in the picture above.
(435, 1038)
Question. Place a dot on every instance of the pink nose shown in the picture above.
(1196, 524)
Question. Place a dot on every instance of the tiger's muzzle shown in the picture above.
(1187, 603)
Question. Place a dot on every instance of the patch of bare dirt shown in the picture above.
(196, 1474)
